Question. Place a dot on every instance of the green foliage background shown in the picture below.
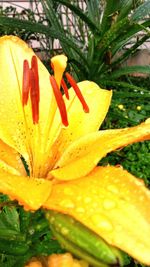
(136, 157)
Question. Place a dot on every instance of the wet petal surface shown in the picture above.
(29, 192)
(111, 202)
(17, 128)
(83, 155)
(81, 123)
(10, 159)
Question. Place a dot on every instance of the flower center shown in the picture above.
(30, 87)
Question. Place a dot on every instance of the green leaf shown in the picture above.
(9, 218)
(130, 69)
(129, 52)
(141, 12)
(129, 95)
(125, 8)
(93, 27)
(112, 34)
(127, 34)
(40, 28)
(142, 92)
(111, 12)
(94, 11)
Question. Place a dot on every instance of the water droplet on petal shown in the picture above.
(89, 91)
(87, 200)
(80, 210)
(102, 222)
(109, 204)
(67, 203)
(117, 240)
(141, 198)
(113, 189)
(68, 191)
(139, 182)
(118, 228)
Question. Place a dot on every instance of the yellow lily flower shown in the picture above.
(61, 145)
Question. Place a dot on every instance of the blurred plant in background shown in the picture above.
(34, 16)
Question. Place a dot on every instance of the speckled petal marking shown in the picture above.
(84, 154)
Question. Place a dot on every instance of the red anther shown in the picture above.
(25, 82)
(77, 91)
(65, 88)
(34, 97)
(59, 100)
(34, 67)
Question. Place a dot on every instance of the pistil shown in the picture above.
(30, 86)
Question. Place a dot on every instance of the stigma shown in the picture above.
(31, 89)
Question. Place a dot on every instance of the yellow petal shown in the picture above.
(10, 158)
(111, 202)
(83, 155)
(81, 123)
(29, 192)
(16, 127)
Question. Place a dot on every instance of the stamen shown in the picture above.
(65, 88)
(59, 100)
(77, 91)
(34, 67)
(31, 84)
(34, 97)
(25, 83)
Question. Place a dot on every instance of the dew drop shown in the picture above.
(64, 231)
(67, 203)
(102, 222)
(117, 240)
(118, 228)
(109, 204)
(139, 182)
(68, 191)
(141, 198)
(52, 219)
(80, 210)
(89, 92)
(87, 200)
(113, 189)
